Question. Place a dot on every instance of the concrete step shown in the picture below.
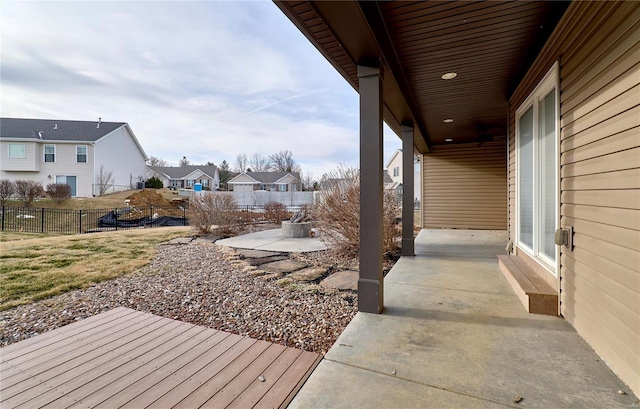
(534, 293)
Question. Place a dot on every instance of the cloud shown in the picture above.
(206, 80)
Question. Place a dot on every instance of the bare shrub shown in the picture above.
(244, 219)
(7, 189)
(28, 190)
(209, 211)
(391, 230)
(59, 192)
(337, 213)
(275, 212)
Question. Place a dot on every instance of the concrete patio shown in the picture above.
(454, 335)
(273, 240)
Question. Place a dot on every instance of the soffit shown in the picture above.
(490, 45)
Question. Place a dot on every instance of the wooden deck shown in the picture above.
(129, 359)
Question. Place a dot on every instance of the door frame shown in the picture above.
(550, 80)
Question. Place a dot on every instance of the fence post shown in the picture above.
(115, 216)
(150, 216)
(42, 220)
(2, 217)
(184, 216)
(80, 221)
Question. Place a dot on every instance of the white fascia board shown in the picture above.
(396, 153)
(244, 174)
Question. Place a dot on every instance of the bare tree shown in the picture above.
(241, 163)
(28, 190)
(283, 162)
(225, 174)
(184, 161)
(307, 181)
(7, 189)
(157, 162)
(104, 180)
(259, 163)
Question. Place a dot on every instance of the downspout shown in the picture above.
(93, 176)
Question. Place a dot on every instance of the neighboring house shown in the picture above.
(328, 183)
(393, 186)
(394, 166)
(71, 152)
(185, 177)
(526, 116)
(271, 181)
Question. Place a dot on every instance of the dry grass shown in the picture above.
(38, 268)
(13, 236)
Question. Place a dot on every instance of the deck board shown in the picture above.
(91, 338)
(126, 358)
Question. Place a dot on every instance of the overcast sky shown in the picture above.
(206, 80)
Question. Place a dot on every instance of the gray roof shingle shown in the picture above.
(271, 177)
(179, 172)
(83, 131)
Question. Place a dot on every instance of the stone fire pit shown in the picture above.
(296, 230)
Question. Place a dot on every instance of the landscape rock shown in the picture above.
(284, 266)
(197, 283)
(308, 274)
(342, 280)
(181, 240)
(264, 260)
(247, 253)
(208, 239)
(271, 276)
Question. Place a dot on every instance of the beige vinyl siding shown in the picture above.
(30, 163)
(600, 175)
(465, 186)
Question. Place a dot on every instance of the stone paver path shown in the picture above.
(342, 280)
(308, 274)
(272, 265)
(283, 266)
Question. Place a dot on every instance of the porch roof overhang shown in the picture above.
(490, 45)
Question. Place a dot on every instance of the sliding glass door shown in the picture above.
(537, 173)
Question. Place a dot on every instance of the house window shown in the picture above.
(204, 182)
(81, 153)
(396, 171)
(50, 153)
(175, 183)
(282, 187)
(190, 182)
(16, 151)
(537, 171)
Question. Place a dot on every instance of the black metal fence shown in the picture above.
(68, 221)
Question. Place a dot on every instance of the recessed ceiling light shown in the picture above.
(448, 140)
(448, 120)
(449, 75)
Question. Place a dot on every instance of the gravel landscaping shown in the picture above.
(206, 285)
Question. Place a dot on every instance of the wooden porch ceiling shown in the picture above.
(489, 45)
